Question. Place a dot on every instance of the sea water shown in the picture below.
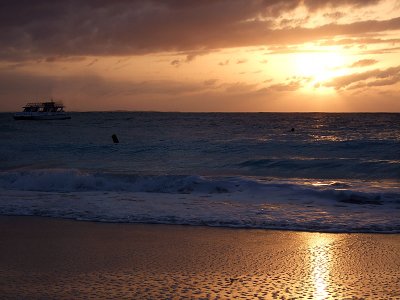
(312, 171)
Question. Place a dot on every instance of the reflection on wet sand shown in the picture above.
(320, 260)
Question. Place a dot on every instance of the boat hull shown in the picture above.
(41, 117)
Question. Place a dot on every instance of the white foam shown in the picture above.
(196, 200)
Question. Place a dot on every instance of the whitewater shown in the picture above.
(298, 171)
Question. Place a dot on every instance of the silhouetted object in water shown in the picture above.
(49, 110)
(292, 130)
(115, 139)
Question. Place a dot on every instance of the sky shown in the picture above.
(202, 56)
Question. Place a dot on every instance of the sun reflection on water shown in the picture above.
(328, 138)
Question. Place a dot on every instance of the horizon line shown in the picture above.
(225, 112)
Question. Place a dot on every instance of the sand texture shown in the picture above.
(58, 259)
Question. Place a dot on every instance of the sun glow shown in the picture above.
(319, 67)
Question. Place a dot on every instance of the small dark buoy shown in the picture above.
(115, 139)
(292, 129)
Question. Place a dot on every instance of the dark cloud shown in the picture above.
(370, 78)
(46, 28)
(334, 15)
(293, 22)
(189, 56)
(92, 62)
(318, 4)
(302, 35)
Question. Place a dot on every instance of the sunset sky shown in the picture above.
(204, 55)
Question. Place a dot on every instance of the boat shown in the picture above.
(49, 110)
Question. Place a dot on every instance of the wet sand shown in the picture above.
(59, 259)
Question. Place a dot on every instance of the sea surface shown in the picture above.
(332, 173)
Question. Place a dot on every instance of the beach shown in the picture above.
(165, 149)
(46, 258)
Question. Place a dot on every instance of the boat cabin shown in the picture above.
(44, 107)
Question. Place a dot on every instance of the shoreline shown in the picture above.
(203, 225)
(44, 257)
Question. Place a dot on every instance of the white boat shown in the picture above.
(43, 111)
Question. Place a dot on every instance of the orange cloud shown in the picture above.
(371, 78)
(363, 63)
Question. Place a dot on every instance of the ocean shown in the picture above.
(331, 173)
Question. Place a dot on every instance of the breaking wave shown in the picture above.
(240, 202)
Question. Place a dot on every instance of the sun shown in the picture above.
(319, 67)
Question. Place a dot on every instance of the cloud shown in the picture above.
(210, 82)
(301, 35)
(92, 62)
(238, 87)
(224, 63)
(358, 41)
(189, 57)
(292, 83)
(286, 87)
(241, 61)
(363, 63)
(383, 50)
(45, 28)
(318, 4)
(334, 15)
(370, 78)
(176, 63)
